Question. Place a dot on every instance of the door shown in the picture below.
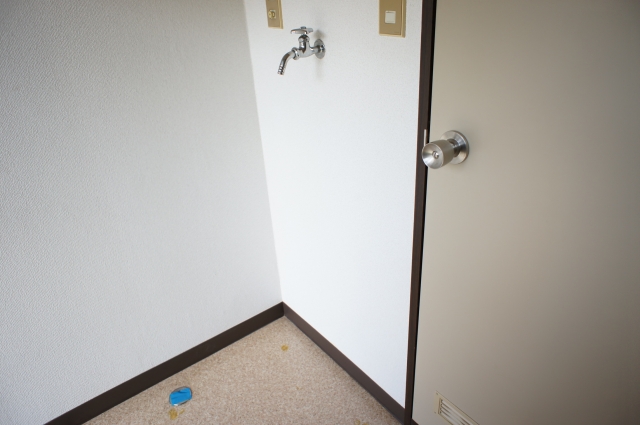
(530, 299)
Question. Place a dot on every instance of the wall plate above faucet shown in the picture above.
(274, 14)
(392, 17)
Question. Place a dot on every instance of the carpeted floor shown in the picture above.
(274, 376)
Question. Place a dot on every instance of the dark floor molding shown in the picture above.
(343, 361)
(148, 379)
(136, 385)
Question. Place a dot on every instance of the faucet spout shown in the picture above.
(283, 63)
(304, 49)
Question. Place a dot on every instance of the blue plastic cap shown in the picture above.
(180, 396)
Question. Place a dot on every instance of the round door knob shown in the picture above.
(452, 148)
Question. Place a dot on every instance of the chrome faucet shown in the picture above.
(304, 48)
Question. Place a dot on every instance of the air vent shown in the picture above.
(451, 413)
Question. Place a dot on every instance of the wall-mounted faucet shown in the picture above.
(304, 48)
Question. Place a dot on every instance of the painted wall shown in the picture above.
(530, 304)
(133, 203)
(339, 144)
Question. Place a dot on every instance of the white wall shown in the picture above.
(339, 142)
(133, 206)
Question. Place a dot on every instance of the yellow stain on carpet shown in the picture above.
(285, 347)
(173, 413)
(357, 422)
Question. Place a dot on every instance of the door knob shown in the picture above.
(452, 148)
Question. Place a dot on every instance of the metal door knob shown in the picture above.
(452, 148)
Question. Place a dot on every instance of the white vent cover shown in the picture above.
(451, 413)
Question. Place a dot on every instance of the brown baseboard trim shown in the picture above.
(148, 379)
(343, 361)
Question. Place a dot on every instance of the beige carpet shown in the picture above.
(274, 376)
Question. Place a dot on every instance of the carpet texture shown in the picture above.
(274, 376)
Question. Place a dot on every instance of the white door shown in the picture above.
(530, 303)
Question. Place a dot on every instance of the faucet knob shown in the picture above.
(302, 30)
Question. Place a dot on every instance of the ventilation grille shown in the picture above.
(451, 413)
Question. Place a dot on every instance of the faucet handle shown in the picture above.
(302, 30)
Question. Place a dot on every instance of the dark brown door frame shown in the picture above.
(424, 121)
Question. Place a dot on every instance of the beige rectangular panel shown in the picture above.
(392, 17)
(274, 14)
(529, 310)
